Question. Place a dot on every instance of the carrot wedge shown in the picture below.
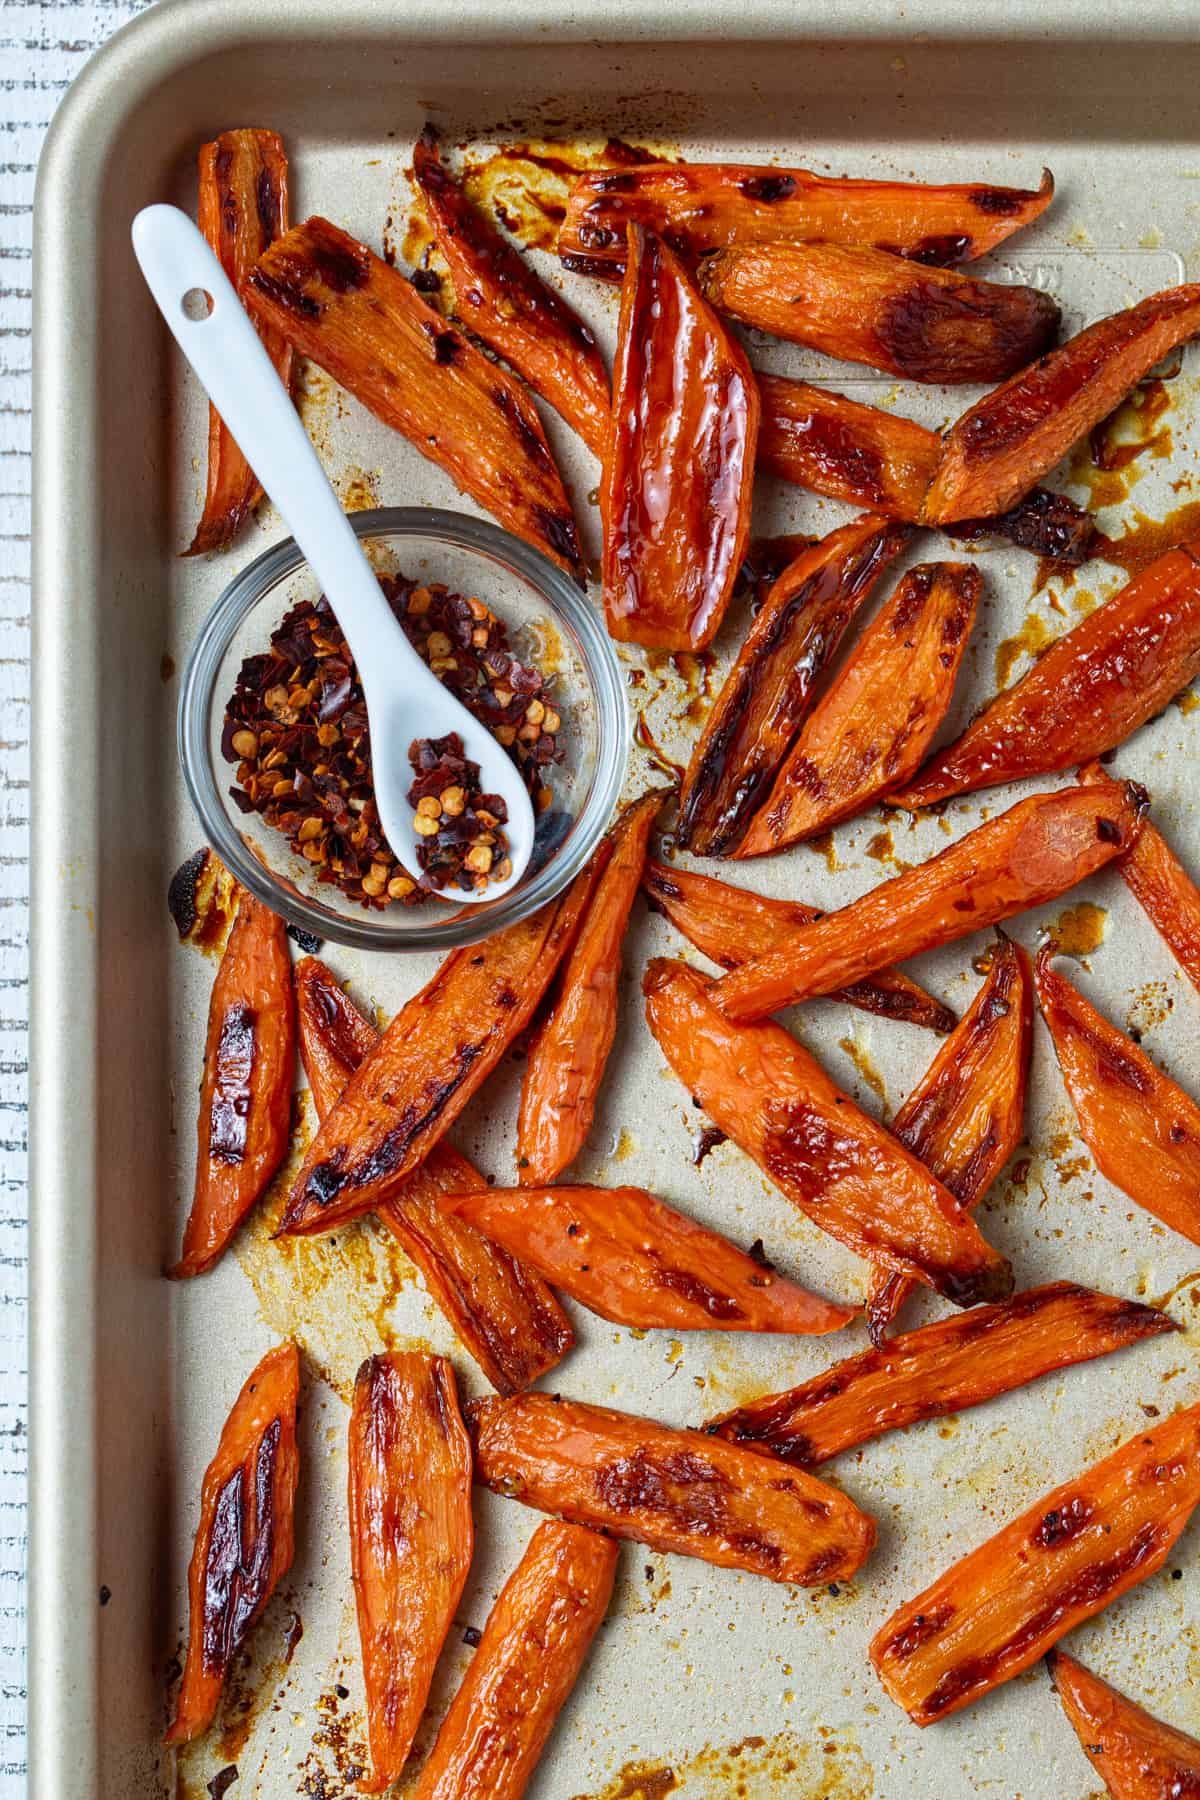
(866, 306)
(1003, 1606)
(1162, 887)
(870, 729)
(848, 1174)
(673, 1490)
(364, 324)
(759, 710)
(1141, 1127)
(411, 1539)
(1136, 1756)
(246, 1092)
(941, 1368)
(634, 1261)
(529, 1657)
(1036, 850)
(244, 1541)
(501, 298)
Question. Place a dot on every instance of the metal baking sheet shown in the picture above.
(703, 1683)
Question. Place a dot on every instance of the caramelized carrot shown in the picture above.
(334, 1035)
(866, 306)
(246, 1092)
(848, 1174)
(364, 324)
(870, 729)
(941, 1368)
(1140, 1126)
(1136, 1756)
(529, 1657)
(1003, 1606)
(673, 1490)
(1031, 853)
(1163, 888)
(243, 209)
(244, 1541)
(679, 469)
(411, 1539)
(505, 302)
(759, 709)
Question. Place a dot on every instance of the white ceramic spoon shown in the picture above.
(404, 699)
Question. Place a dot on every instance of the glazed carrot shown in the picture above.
(758, 711)
(246, 1092)
(705, 206)
(679, 468)
(1140, 1126)
(364, 324)
(673, 1490)
(941, 1368)
(411, 1539)
(866, 306)
(244, 1541)
(500, 297)
(1163, 888)
(243, 209)
(533, 1647)
(848, 1174)
(1010, 438)
(731, 924)
(629, 1258)
(1136, 1756)
(870, 729)
(334, 1036)
(1003, 1606)
(1031, 853)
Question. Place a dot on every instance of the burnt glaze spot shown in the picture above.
(340, 265)
(1108, 831)
(767, 187)
(999, 203)
(918, 1631)
(284, 292)
(595, 237)
(222, 1781)
(336, 1018)
(266, 200)
(710, 1139)
(182, 893)
(1062, 1523)
(559, 531)
(229, 1109)
(239, 1554)
(937, 252)
(1048, 524)
(682, 1489)
(446, 346)
(691, 1288)
(914, 592)
(973, 332)
(523, 427)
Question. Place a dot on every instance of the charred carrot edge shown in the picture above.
(632, 1260)
(760, 708)
(706, 206)
(1031, 853)
(411, 1539)
(244, 1541)
(505, 302)
(1008, 440)
(1003, 1606)
(243, 209)
(941, 1368)
(1162, 887)
(679, 463)
(364, 324)
(840, 1168)
(333, 1034)
(529, 1658)
(246, 1092)
(867, 306)
(1136, 1756)
(1141, 1127)
(674, 1490)
(871, 728)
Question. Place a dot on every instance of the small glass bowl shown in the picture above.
(550, 624)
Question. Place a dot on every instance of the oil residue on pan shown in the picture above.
(829, 1767)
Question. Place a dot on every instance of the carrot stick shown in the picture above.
(1162, 887)
(1136, 1756)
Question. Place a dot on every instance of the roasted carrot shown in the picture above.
(243, 209)
(244, 1541)
(1003, 1606)
(411, 1539)
(866, 306)
(1162, 887)
(705, 206)
(629, 1258)
(246, 1092)
(759, 710)
(941, 1368)
(848, 1174)
(1136, 1756)
(1141, 1127)
(529, 1657)
(501, 298)
(679, 468)
(870, 729)
(342, 306)
(1031, 853)
(674, 1490)
(334, 1035)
